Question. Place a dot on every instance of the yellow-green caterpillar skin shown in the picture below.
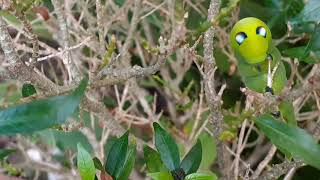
(254, 46)
(251, 40)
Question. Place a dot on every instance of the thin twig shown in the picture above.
(239, 149)
(64, 33)
(60, 53)
(265, 162)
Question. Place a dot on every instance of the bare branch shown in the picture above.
(6, 44)
(65, 50)
(17, 69)
(280, 169)
(214, 101)
(64, 33)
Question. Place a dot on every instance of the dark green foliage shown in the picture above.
(153, 160)
(310, 13)
(109, 102)
(166, 147)
(5, 152)
(116, 157)
(67, 140)
(97, 164)
(28, 90)
(290, 138)
(129, 163)
(168, 155)
(287, 112)
(192, 160)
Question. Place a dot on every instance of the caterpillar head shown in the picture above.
(250, 37)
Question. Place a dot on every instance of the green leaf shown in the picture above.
(5, 152)
(85, 164)
(228, 134)
(295, 52)
(119, 2)
(167, 148)
(201, 176)
(28, 90)
(275, 13)
(208, 151)
(313, 48)
(149, 98)
(287, 112)
(192, 160)
(129, 163)
(290, 138)
(40, 114)
(310, 13)
(222, 61)
(109, 102)
(108, 145)
(299, 53)
(68, 140)
(97, 164)
(153, 160)
(184, 107)
(38, 27)
(117, 156)
(303, 27)
(160, 176)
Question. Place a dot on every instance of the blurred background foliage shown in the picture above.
(295, 30)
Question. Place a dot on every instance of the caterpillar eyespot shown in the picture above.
(240, 37)
(261, 31)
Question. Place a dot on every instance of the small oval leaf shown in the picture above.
(192, 160)
(97, 164)
(287, 112)
(167, 148)
(117, 156)
(160, 176)
(201, 176)
(129, 163)
(85, 164)
(153, 160)
(208, 151)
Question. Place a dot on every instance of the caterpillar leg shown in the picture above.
(276, 114)
(269, 90)
(269, 78)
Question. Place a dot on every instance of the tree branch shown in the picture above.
(17, 69)
(280, 169)
(214, 101)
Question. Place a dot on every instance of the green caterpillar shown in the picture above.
(259, 61)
